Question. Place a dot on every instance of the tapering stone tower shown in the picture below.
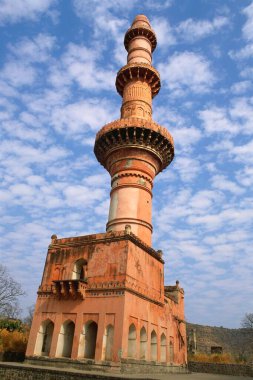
(102, 302)
(134, 149)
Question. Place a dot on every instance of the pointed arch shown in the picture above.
(65, 339)
(132, 342)
(143, 343)
(108, 343)
(79, 271)
(163, 348)
(87, 341)
(44, 338)
(153, 346)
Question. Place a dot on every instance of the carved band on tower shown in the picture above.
(134, 149)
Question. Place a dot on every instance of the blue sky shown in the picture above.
(58, 65)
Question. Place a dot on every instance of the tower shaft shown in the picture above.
(134, 149)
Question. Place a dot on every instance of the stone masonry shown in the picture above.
(237, 342)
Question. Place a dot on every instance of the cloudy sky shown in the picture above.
(58, 65)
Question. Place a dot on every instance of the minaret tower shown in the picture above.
(102, 302)
(134, 149)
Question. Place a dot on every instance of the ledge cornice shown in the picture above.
(108, 237)
(135, 133)
(142, 71)
(141, 31)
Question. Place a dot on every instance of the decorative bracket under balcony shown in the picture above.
(70, 288)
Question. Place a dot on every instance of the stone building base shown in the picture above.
(222, 368)
(125, 366)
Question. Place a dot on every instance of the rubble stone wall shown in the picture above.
(14, 371)
(237, 342)
(20, 372)
(221, 369)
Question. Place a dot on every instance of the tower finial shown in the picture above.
(140, 41)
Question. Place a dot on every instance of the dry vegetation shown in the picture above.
(13, 341)
(217, 358)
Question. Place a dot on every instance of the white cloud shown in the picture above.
(186, 137)
(78, 64)
(241, 87)
(187, 71)
(106, 24)
(18, 74)
(23, 10)
(216, 119)
(220, 182)
(244, 152)
(30, 154)
(15, 129)
(242, 109)
(248, 26)
(167, 116)
(7, 90)
(231, 216)
(110, 21)
(35, 49)
(222, 238)
(189, 30)
(243, 53)
(192, 30)
(81, 117)
(104, 21)
(236, 118)
(247, 72)
(187, 168)
(156, 6)
(83, 196)
(204, 200)
(245, 176)
(163, 31)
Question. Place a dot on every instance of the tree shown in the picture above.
(10, 290)
(29, 317)
(247, 321)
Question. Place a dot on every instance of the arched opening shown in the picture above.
(143, 343)
(44, 338)
(163, 348)
(131, 352)
(171, 352)
(79, 270)
(65, 339)
(108, 343)
(153, 346)
(90, 338)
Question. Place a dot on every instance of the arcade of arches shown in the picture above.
(140, 346)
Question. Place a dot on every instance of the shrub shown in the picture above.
(215, 358)
(11, 324)
(13, 341)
